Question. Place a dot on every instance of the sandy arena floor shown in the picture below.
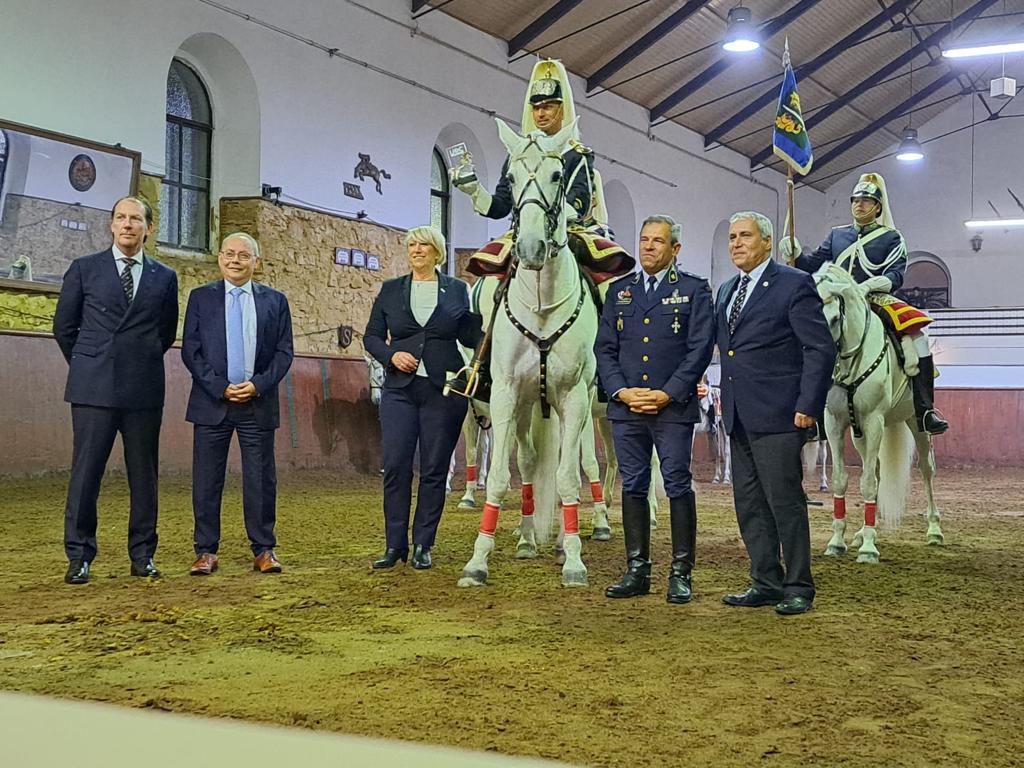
(914, 662)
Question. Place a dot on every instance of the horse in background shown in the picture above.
(871, 396)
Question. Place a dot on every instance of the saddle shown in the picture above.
(898, 317)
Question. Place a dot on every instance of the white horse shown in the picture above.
(543, 341)
(871, 396)
(815, 454)
(723, 455)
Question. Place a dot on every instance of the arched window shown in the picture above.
(440, 196)
(3, 169)
(185, 194)
(926, 284)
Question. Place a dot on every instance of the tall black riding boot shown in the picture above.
(636, 528)
(928, 419)
(684, 547)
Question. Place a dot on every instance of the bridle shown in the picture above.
(551, 208)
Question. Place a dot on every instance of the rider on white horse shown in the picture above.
(874, 252)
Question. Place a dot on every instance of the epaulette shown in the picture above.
(634, 276)
(580, 147)
(691, 274)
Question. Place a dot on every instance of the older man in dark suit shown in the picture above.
(777, 356)
(237, 343)
(116, 317)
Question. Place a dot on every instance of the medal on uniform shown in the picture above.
(618, 323)
(624, 296)
(675, 324)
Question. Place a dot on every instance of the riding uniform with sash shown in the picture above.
(875, 255)
(589, 236)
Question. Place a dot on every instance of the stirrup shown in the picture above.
(940, 428)
(463, 383)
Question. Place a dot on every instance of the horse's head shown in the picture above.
(838, 291)
(535, 172)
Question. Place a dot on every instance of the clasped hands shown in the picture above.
(405, 362)
(240, 393)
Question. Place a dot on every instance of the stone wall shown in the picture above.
(297, 247)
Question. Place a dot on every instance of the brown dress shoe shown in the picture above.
(266, 562)
(204, 565)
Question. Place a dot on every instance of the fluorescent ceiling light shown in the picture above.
(740, 37)
(993, 223)
(988, 49)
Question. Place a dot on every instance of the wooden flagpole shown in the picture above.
(792, 214)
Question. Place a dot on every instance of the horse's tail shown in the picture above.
(385, 174)
(546, 434)
(895, 457)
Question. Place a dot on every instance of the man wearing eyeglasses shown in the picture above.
(116, 317)
(237, 343)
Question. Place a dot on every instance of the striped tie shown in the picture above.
(127, 283)
(737, 304)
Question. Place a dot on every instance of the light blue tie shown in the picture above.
(236, 339)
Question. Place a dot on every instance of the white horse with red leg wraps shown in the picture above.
(870, 395)
(542, 349)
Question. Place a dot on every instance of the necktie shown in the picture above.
(127, 283)
(236, 339)
(652, 283)
(737, 304)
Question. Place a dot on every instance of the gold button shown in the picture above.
(644, 377)
(647, 339)
(646, 358)
(731, 353)
(647, 321)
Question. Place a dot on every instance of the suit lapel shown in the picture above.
(724, 294)
(147, 283)
(259, 298)
(758, 289)
(110, 277)
(218, 331)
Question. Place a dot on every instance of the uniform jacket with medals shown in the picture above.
(884, 253)
(662, 342)
(578, 162)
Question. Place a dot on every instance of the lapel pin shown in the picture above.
(765, 283)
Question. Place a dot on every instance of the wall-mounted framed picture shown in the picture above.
(372, 262)
(56, 193)
(358, 258)
(343, 256)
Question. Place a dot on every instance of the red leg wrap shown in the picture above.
(489, 519)
(870, 509)
(839, 507)
(470, 473)
(571, 518)
(528, 505)
(597, 492)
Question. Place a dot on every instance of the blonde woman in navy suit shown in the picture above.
(413, 329)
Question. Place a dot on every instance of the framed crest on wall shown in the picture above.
(56, 193)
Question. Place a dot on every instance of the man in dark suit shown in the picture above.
(237, 343)
(777, 356)
(654, 342)
(116, 317)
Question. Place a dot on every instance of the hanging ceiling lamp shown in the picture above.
(910, 148)
(740, 36)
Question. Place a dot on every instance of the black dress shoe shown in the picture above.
(390, 559)
(145, 568)
(421, 557)
(680, 589)
(78, 572)
(634, 583)
(752, 598)
(793, 605)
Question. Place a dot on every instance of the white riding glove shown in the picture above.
(571, 214)
(878, 284)
(481, 197)
(788, 249)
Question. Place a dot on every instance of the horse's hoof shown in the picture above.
(654, 524)
(936, 540)
(868, 557)
(526, 551)
(559, 556)
(857, 541)
(467, 504)
(834, 551)
(717, 481)
(516, 533)
(575, 579)
(473, 579)
(601, 534)
(823, 487)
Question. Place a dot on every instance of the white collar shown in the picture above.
(246, 286)
(756, 272)
(118, 255)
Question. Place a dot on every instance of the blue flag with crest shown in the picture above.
(789, 136)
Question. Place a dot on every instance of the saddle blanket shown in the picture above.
(899, 317)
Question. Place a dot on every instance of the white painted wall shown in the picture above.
(931, 200)
(389, 92)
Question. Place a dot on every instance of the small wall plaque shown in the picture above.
(352, 190)
(342, 256)
(358, 258)
(372, 262)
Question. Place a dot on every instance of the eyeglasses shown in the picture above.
(242, 256)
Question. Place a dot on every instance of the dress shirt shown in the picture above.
(423, 301)
(658, 277)
(754, 275)
(248, 303)
(136, 268)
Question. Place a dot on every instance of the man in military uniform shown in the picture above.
(653, 344)
(548, 107)
(874, 252)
